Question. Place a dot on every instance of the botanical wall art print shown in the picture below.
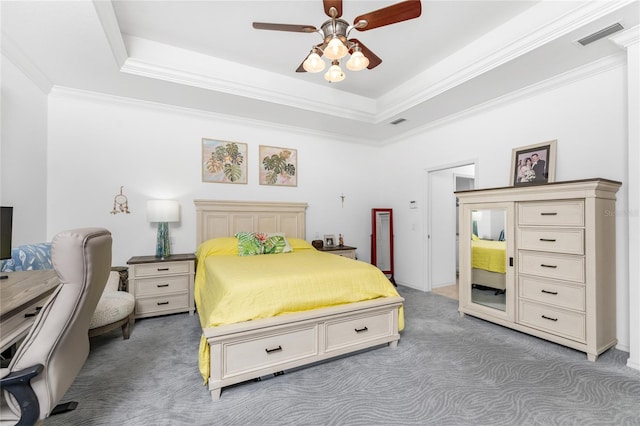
(533, 164)
(224, 161)
(278, 166)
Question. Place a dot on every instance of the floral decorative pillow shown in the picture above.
(256, 243)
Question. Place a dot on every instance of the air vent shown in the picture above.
(600, 34)
(398, 121)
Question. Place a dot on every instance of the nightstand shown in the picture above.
(344, 251)
(162, 286)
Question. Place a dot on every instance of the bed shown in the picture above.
(488, 263)
(258, 338)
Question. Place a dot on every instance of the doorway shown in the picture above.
(442, 224)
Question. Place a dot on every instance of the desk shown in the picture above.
(22, 296)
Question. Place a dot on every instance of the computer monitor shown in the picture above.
(6, 225)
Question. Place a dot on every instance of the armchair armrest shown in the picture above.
(18, 383)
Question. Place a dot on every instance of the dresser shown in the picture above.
(162, 286)
(557, 242)
(344, 251)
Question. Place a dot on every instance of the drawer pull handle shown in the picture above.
(549, 318)
(162, 303)
(548, 214)
(31, 314)
(360, 330)
(163, 285)
(162, 269)
(549, 292)
(269, 351)
(548, 266)
(548, 240)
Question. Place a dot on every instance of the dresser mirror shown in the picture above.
(382, 241)
(488, 257)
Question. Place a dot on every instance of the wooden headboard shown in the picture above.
(224, 218)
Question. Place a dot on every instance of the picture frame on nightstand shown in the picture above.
(330, 241)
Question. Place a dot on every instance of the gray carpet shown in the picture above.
(447, 370)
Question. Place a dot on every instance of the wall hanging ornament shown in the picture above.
(120, 203)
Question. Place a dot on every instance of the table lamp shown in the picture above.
(163, 212)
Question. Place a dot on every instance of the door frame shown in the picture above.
(428, 219)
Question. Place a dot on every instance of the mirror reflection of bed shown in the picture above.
(488, 258)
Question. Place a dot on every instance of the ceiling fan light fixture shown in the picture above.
(313, 63)
(357, 61)
(335, 49)
(334, 74)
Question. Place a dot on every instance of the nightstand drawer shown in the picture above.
(341, 334)
(161, 285)
(552, 292)
(554, 320)
(560, 213)
(270, 350)
(569, 241)
(160, 304)
(164, 268)
(557, 266)
(351, 254)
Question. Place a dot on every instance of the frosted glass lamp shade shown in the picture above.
(163, 211)
(335, 49)
(313, 63)
(334, 74)
(357, 61)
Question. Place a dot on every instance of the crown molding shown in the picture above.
(627, 38)
(84, 95)
(14, 54)
(476, 63)
(109, 23)
(555, 82)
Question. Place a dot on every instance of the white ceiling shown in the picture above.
(205, 55)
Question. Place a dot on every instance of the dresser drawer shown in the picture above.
(554, 320)
(557, 266)
(552, 292)
(271, 350)
(161, 285)
(159, 304)
(340, 334)
(553, 213)
(553, 240)
(161, 268)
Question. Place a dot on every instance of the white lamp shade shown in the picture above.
(313, 63)
(163, 211)
(335, 49)
(357, 61)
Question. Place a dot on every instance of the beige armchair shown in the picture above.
(48, 360)
(115, 309)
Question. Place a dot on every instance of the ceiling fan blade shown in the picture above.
(398, 12)
(374, 60)
(318, 51)
(337, 4)
(284, 27)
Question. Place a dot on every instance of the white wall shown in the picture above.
(587, 118)
(97, 144)
(23, 154)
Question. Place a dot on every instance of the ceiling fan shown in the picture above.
(335, 33)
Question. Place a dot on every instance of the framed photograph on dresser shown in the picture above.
(330, 241)
(533, 164)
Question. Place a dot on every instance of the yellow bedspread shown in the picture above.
(231, 289)
(489, 255)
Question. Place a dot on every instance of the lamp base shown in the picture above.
(163, 248)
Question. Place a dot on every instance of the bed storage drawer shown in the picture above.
(569, 240)
(560, 294)
(267, 351)
(352, 331)
(552, 213)
(557, 266)
(555, 320)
